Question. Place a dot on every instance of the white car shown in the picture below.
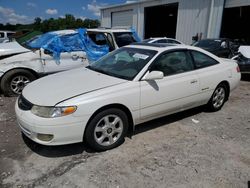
(4, 36)
(100, 103)
(19, 65)
(162, 40)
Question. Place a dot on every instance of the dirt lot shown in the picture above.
(190, 149)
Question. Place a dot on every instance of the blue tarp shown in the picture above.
(78, 41)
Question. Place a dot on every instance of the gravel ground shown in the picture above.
(194, 148)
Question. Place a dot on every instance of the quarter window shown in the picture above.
(201, 60)
(173, 63)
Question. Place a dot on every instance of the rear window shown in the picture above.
(208, 43)
(124, 38)
(1, 35)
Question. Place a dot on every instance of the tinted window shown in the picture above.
(161, 41)
(201, 60)
(1, 34)
(124, 38)
(173, 63)
(208, 43)
(173, 42)
(9, 34)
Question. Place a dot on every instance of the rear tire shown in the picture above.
(14, 81)
(218, 98)
(107, 129)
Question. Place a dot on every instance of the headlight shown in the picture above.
(51, 112)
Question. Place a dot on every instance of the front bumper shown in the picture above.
(65, 130)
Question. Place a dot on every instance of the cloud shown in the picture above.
(94, 8)
(8, 15)
(83, 8)
(82, 18)
(32, 5)
(51, 11)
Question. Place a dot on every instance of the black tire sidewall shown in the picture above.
(89, 131)
(210, 104)
(7, 78)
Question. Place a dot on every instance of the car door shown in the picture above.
(175, 92)
(209, 72)
(66, 61)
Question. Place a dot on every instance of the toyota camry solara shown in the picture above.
(100, 103)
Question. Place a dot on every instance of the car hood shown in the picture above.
(11, 48)
(53, 89)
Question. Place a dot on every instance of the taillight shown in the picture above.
(238, 68)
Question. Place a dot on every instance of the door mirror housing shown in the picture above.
(153, 75)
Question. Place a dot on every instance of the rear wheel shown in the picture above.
(107, 129)
(15, 80)
(218, 98)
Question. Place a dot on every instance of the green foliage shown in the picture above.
(68, 22)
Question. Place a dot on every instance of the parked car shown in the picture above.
(221, 47)
(243, 59)
(162, 40)
(54, 52)
(129, 86)
(4, 36)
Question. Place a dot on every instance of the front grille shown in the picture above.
(24, 104)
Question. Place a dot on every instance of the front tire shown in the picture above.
(107, 129)
(218, 98)
(15, 80)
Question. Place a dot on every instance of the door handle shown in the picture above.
(193, 81)
(75, 57)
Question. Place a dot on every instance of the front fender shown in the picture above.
(35, 66)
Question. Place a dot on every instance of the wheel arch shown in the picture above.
(117, 106)
(226, 83)
(22, 68)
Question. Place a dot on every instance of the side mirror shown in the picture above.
(154, 75)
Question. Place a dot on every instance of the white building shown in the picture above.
(182, 19)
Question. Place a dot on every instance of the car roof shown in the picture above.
(109, 30)
(64, 32)
(162, 46)
(7, 31)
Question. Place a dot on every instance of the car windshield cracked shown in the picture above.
(124, 63)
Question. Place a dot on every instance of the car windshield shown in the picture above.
(124, 38)
(124, 63)
(208, 43)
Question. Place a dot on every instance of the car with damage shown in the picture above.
(128, 86)
(54, 52)
(222, 47)
(243, 59)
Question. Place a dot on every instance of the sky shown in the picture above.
(24, 11)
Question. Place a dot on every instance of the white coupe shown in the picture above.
(100, 103)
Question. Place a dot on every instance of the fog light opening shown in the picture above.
(45, 137)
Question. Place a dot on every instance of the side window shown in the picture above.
(173, 63)
(173, 41)
(1, 35)
(9, 34)
(161, 41)
(201, 60)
